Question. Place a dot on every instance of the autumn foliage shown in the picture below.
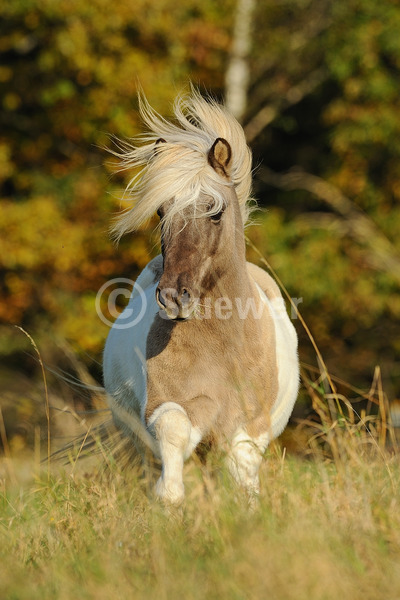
(323, 99)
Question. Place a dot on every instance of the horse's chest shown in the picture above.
(188, 366)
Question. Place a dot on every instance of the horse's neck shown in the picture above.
(234, 281)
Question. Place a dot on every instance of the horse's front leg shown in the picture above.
(176, 438)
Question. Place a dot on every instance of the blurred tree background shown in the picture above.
(320, 90)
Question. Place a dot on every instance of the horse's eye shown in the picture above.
(159, 213)
(217, 217)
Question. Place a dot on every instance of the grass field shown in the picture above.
(327, 527)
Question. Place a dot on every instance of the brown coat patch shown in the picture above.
(223, 372)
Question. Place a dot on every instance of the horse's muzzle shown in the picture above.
(176, 304)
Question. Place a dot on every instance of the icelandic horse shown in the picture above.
(204, 352)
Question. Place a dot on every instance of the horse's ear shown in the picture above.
(220, 156)
(156, 144)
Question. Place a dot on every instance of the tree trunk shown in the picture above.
(238, 72)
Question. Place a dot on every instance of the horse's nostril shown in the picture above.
(185, 295)
(159, 297)
(169, 298)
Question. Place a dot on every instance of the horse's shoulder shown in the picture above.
(264, 280)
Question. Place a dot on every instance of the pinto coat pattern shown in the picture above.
(205, 350)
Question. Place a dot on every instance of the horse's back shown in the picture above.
(149, 276)
(264, 280)
(124, 361)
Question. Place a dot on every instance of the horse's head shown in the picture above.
(201, 190)
(201, 242)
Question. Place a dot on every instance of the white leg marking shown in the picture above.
(176, 439)
(244, 459)
(164, 407)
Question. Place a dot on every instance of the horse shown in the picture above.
(204, 354)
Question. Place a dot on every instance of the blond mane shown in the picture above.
(177, 168)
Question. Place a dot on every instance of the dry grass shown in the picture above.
(327, 526)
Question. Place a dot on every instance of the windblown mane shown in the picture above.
(177, 167)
